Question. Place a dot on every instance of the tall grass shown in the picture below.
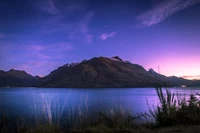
(49, 113)
(174, 109)
(50, 117)
(3, 124)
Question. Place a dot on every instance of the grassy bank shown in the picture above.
(174, 113)
(175, 109)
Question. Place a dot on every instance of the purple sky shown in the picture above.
(39, 36)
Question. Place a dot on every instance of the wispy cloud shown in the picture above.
(49, 52)
(36, 47)
(34, 55)
(192, 77)
(34, 51)
(75, 30)
(56, 24)
(105, 36)
(34, 67)
(84, 24)
(62, 21)
(2, 36)
(50, 7)
(58, 6)
(163, 10)
(75, 5)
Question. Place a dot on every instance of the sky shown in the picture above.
(40, 35)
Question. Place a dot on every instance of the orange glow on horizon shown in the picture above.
(192, 77)
(180, 67)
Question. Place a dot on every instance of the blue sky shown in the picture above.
(38, 36)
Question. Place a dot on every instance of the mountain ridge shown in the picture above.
(98, 72)
(16, 78)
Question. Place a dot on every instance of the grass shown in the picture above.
(3, 124)
(174, 109)
(174, 113)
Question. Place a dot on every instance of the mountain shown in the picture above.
(16, 78)
(100, 72)
(38, 77)
(173, 80)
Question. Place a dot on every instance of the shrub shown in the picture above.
(174, 109)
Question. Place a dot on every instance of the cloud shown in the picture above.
(62, 21)
(34, 51)
(192, 77)
(50, 7)
(36, 47)
(56, 24)
(49, 52)
(163, 10)
(75, 5)
(105, 36)
(55, 7)
(2, 36)
(32, 56)
(84, 24)
(34, 67)
(74, 30)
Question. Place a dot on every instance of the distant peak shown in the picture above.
(151, 70)
(83, 61)
(40, 76)
(72, 64)
(117, 58)
(13, 70)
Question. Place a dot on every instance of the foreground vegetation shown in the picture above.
(175, 109)
(174, 113)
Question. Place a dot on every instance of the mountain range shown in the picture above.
(16, 78)
(98, 72)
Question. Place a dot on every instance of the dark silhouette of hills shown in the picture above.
(98, 72)
(173, 80)
(16, 78)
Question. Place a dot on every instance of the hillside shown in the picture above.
(102, 72)
(16, 78)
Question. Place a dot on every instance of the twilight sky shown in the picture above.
(39, 35)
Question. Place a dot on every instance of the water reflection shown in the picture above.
(55, 103)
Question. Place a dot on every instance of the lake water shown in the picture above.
(26, 102)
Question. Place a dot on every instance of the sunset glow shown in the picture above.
(40, 36)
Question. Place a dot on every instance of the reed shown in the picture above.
(174, 109)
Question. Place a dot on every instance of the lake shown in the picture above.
(32, 102)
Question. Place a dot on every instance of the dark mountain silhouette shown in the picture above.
(108, 72)
(16, 78)
(98, 72)
(173, 80)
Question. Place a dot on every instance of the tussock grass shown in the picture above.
(3, 123)
(174, 109)
(173, 113)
